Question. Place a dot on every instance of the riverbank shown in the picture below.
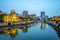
(55, 27)
(16, 25)
(53, 24)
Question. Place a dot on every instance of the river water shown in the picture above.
(35, 31)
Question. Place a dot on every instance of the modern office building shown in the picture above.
(42, 14)
(25, 13)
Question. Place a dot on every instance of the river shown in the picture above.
(35, 31)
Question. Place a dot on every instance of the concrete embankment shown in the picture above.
(53, 26)
(6, 25)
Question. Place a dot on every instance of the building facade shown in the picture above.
(12, 17)
(25, 13)
(42, 14)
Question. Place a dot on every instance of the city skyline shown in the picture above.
(29, 19)
(51, 7)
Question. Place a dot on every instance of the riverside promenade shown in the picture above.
(14, 25)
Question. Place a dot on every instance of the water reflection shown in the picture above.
(13, 32)
(25, 28)
(43, 25)
(34, 32)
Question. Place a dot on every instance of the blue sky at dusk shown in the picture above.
(51, 7)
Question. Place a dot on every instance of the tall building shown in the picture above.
(42, 14)
(25, 13)
(0, 12)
